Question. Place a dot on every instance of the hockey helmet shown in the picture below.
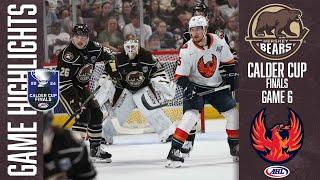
(200, 8)
(80, 30)
(131, 48)
(80, 36)
(196, 21)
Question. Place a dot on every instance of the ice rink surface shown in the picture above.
(142, 157)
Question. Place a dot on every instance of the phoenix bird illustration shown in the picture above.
(207, 69)
(279, 143)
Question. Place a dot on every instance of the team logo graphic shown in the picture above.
(277, 172)
(276, 31)
(135, 78)
(43, 89)
(145, 69)
(279, 143)
(207, 69)
(85, 73)
(68, 56)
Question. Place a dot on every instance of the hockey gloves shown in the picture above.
(189, 92)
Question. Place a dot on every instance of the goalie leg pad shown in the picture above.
(121, 111)
(108, 130)
(157, 118)
(106, 92)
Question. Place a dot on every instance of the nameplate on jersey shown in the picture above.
(43, 89)
(135, 78)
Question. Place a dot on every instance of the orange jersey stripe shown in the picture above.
(180, 135)
(233, 133)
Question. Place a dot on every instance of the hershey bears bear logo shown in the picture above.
(279, 143)
(85, 73)
(276, 31)
(135, 78)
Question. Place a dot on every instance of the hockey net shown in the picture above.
(136, 123)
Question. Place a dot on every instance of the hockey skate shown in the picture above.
(174, 159)
(99, 155)
(186, 149)
(234, 148)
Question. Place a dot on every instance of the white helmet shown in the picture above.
(196, 21)
(131, 47)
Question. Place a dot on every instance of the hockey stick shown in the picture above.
(82, 106)
(149, 107)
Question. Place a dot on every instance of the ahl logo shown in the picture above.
(276, 31)
(280, 143)
(277, 171)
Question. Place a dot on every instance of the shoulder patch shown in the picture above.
(220, 34)
(96, 44)
(68, 56)
(107, 50)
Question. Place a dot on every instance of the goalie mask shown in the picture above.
(131, 47)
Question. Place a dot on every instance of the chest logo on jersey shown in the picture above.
(135, 78)
(85, 73)
(207, 69)
(68, 56)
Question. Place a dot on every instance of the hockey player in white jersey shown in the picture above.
(134, 73)
(197, 71)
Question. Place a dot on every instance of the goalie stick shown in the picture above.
(83, 105)
(149, 107)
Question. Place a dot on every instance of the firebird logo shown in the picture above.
(207, 69)
(280, 143)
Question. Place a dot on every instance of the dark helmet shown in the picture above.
(200, 7)
(81, 30)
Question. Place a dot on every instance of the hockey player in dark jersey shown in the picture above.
(65, 155)
(135, 73)
(76, 64)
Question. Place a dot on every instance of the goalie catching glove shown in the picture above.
(106, 91)
(163, 85)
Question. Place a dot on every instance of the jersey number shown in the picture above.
(64, 72)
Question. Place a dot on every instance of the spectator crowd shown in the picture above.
(114, 21)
